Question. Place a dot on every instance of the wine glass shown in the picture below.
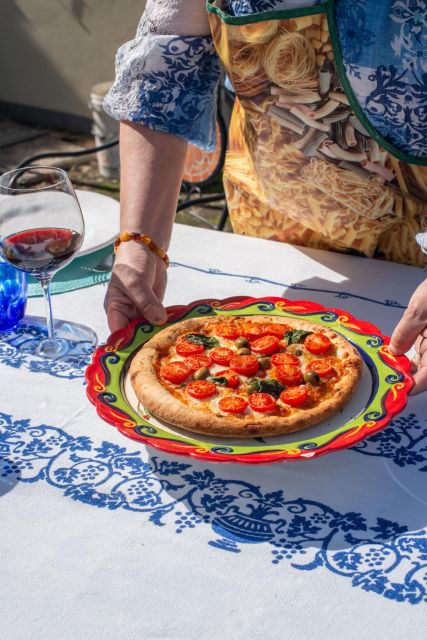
(41, 230)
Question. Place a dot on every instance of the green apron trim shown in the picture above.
(264, 15)
(354, 103)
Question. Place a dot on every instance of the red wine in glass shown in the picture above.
(41, 251)
(41, 230)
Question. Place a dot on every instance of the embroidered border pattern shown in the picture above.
(381, 556)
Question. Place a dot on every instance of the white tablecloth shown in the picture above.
(104, 538)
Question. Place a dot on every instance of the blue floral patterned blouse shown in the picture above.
(168, 82)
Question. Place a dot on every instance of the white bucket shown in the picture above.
(104, 129)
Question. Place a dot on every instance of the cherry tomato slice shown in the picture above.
(278, 330)
(233, 379)
(253, 331)
(201, 389)
(317, 343)
(280, 359)
(323, 368)
(222, 355)
(294, 396)
(198, 361)
(262, 402)
(289, 375)
(228, 331)
(186, 348)
(266, 345)
(175, 372)
(246, 365)
(232, 404)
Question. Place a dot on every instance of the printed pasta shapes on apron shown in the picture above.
(303, 163)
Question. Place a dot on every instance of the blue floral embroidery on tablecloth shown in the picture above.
(18, 349)
(257, 279)
(404, 442)
(381, 556)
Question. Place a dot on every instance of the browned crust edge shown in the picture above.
(157, 399)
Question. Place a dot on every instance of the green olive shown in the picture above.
(264, 362)
(295, 350)
(241, 342)
(253, 387)
(201, 374)
(244, 351)
(312, 378)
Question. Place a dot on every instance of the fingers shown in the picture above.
(412, 324)
(117, 319)
(149, 305)
(406, 332)
(130, 296)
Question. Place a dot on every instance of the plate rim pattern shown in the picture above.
(98, 381)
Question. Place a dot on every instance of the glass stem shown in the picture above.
(45, 284)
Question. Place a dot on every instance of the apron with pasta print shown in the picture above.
(304, 164)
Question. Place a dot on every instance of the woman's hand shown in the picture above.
(136, 288)
(412, 329)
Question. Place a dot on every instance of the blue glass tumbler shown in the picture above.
(13, 295)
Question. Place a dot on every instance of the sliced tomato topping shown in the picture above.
(222, 355)
(186, 348)
(229, 331)
(198, 361)
(262, 402)
(289, 375)
(246, 365)
(294, 396)
(273, 329)
(266, 345)
(280, 359)
(175, 372)
(233, 379)
(317, 343)
(323, 368)
(232, 404)
(201, 389)
(252, 331)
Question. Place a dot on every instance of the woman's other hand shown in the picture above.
(412, 330)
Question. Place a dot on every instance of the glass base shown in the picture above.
(69, 338)
(72, 342)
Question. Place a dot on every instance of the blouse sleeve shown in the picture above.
(167, 77)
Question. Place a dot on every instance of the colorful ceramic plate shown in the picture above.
(382, 392)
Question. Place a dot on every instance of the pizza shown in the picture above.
(245, 376)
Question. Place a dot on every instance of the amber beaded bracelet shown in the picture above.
(142, 238)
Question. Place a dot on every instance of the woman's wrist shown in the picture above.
(142, 239)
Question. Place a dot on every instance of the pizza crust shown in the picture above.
(165, 406)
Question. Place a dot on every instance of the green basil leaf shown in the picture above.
(199, 338)
(273, 387)
(221, 380)
(296, 336)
